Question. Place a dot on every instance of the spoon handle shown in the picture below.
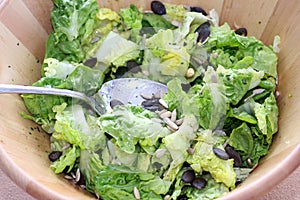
(22, 89)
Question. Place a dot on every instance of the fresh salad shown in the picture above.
(213, 126)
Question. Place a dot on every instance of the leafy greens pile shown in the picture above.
(230, 100)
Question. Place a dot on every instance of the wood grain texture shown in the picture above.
(24, 28)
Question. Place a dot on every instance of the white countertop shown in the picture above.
(289, 189)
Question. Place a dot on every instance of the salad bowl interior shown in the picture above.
(24, 147)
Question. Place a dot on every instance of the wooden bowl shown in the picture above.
(24, 28)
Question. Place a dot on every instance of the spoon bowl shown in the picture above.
(124, 90)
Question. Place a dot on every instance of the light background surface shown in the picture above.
(289, 189)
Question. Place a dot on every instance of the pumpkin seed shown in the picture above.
(220, 153)
(241, 31)
(158, 7)
(199, 183)
(160, 153)
(203, 32)
(91, 62)
(199, 10)
(188, 176)
(54, 155)
(115, 102)
(235, 155)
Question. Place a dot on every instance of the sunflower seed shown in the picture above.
(82, 186)
(158, 95)
(163, 103)
(77, 178)
(67, 145)
(190, 73)
(156, 120)
(249, 161)
(178, 122)
(220, 132)
(73, 175)
(97, 195)
(68, 177)
(161, 111)
(136, 193)
(170, 123)
(166, 114)
(160, 153)
(191, 151)
(174, 116)
(171, 129)
(147, 96)
(167, 197)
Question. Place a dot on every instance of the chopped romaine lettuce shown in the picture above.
(130, 125)
(223, 90)
(73, 23)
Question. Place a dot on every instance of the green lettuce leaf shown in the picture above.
(77, 127)
(230, 50)
(54, 68)
(267, 116)
(118, 182)
(212, 190)
(163, 59)
(205, 159)
(84, 79)
(116, 50)
(109, 20)
(238, 82)
(241, 139)
(73, 23)
(132, 20)
(130, 125)
(40, 106)
(67, 159)
(209, 105)
(178, 143)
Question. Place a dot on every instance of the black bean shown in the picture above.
(54, 155)
(188, 176)
(199, 183)
(91, 62)
(203, 31)
(220, 153)
(241, 31)
(115, 102)
(158, 8)
(199, 10)
(235, 155)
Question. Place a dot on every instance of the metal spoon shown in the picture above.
(124, 90)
